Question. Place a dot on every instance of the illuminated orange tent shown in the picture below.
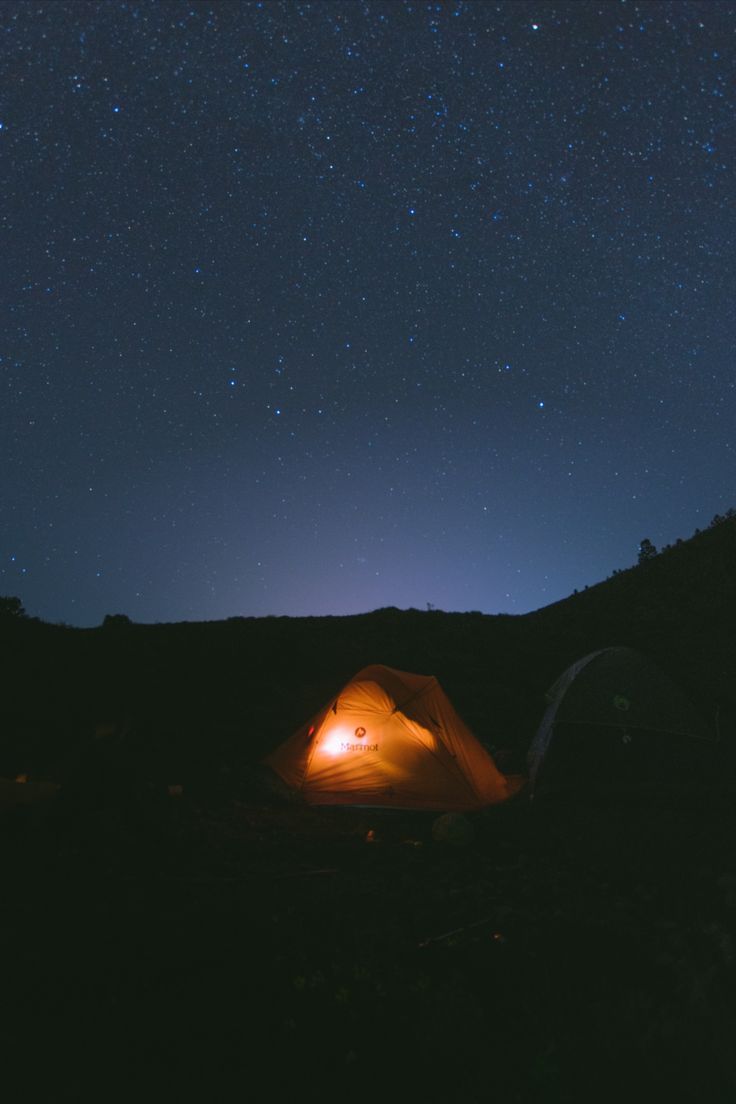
(391, 739)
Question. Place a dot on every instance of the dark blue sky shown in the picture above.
(315, 308)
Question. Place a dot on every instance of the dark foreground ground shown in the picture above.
(245, 949)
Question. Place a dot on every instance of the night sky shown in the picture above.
(318, 308)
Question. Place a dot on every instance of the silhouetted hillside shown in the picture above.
(695, 577)
(193, 695)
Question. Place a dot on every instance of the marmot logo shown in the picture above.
(359, 733)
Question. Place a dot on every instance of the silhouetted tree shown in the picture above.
(647, 551)
(11, 608)
(720, 518)
(116, 621)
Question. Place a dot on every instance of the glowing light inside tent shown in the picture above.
(334, 742)
(343, 740)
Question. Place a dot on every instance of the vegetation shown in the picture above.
(116, 621)
(647, 551)
(11, 609)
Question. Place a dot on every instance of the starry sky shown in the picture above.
(313, 308)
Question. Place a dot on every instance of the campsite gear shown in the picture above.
(615, 720)
(390, 739)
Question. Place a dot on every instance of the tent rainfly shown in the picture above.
(615, 720)
(390, 739)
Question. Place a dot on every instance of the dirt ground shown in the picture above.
(250, 948)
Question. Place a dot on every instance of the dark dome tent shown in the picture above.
(391, 739)
(616, 721)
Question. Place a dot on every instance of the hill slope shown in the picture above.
(680, 607)
(202, 693)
